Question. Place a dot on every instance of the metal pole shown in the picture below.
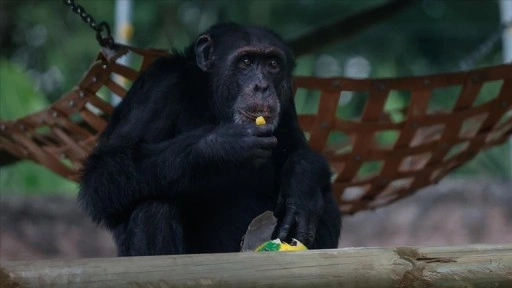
(506, 19)
(124, 32)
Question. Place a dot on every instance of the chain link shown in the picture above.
(105, 41)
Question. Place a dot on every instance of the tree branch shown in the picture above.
(346, 27)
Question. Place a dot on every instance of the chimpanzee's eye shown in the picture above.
(273, 65)
(245, 61)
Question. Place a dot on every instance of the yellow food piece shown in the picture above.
(296, 245)
(260, 121)
(278, 245)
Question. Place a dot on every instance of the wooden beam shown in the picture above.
(458, 266)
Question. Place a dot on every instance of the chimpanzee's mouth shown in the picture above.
(251, 116)
(249, 113)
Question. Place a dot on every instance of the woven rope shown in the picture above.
(422, 146)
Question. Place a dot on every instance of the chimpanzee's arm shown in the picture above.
(305, 183)
(129, 165)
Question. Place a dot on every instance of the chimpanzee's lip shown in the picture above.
(253, 115)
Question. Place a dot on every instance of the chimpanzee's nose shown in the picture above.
(261, 86)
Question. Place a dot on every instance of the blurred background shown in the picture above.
(46, 48)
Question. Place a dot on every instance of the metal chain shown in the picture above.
(105, 41)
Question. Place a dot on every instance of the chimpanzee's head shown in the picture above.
(250, 70)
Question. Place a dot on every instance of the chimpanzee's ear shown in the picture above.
(204, 52)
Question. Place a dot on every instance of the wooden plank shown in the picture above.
(457, 266)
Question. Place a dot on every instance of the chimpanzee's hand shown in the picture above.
(241, 143)
(305, 183)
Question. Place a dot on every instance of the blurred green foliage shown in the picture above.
(18, 96)
(45, 49)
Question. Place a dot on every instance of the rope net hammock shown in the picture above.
(425, 145)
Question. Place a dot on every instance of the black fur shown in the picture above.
(181, 167)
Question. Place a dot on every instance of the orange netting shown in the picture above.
(377, 157)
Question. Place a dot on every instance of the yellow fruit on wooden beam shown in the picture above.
(278, 245)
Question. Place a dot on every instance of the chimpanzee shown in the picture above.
(183, 168)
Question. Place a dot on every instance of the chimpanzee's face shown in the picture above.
(258, 71)
(250, 71)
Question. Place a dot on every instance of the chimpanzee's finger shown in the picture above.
(279, 206)
(264, 130)
(287, 223)
(313, 224)
(262, 154)
(266, 142)
(305, 229)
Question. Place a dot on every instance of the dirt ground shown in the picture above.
(454, 212)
